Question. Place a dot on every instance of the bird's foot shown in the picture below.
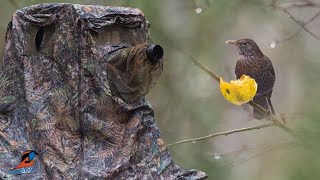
(283, 118)
(268, 115)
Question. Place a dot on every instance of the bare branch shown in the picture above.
(313, 18)
(272, 117)
(225, 133)
(208, 71)
(299, 5)
(302, 25)
(275, 119)
(300, 29)
(284, 8)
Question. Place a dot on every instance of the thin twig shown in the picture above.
(284, 8)
(208, 71)
(300, 29)
(225, 133)
(312, 18)
(299, 23)
(275, 119)
(299, 5)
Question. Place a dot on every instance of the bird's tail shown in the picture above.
(265, 103)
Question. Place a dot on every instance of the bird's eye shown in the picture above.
(244, 43)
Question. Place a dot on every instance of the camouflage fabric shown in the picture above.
(72, 88)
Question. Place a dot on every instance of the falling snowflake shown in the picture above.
(198, 10)
(216, 156)
(273, 44)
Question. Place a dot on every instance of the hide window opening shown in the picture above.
(39, 37)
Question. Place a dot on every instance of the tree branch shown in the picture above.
(205, 69)
(225, 133)
(299, 23)
(284, 8)
(300, 29)
(275, 119)
(299, 5)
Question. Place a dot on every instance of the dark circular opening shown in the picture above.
(154, 53)
(158, 52)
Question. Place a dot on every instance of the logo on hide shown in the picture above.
(26, 164)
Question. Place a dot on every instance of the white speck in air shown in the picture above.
(216, 156)
(273, 44)
(198, 10)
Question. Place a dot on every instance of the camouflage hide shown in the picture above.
(72, 88)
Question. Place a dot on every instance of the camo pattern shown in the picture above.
(72, 88)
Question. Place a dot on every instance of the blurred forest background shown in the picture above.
(188, 103)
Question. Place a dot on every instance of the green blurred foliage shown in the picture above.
(188, 103)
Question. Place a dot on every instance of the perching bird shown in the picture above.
(27, 159)
(254, 63)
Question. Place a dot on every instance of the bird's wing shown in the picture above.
(24, 164)
(261, 70)
(270, 66)
(239, 70)
(266, 78)
(24, 156)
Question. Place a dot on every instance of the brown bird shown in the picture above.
(254, 63)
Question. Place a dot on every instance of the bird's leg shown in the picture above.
(270, 105)
(267, 113)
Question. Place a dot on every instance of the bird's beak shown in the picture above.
(234, 42)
